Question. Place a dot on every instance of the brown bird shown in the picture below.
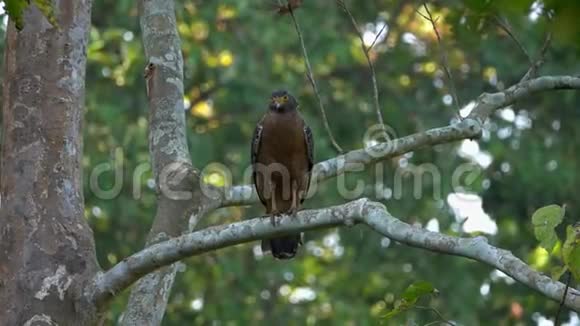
(282, 159)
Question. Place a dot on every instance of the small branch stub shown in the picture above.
(148, 75)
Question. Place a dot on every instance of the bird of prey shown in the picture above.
(282, 159)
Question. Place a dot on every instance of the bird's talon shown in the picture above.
(273, 218)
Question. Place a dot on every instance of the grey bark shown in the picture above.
(361, 211)
(175, 176)
(48, 269)
(47, 253)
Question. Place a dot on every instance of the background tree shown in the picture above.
(234, 54)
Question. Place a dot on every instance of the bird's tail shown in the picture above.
(283, 247)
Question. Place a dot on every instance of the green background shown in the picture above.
(237, 52)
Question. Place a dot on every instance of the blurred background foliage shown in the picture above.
(237, 52)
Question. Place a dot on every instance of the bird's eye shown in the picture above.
(285, 97)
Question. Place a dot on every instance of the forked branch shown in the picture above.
(366, 51)
(361, 211)
(443, 54)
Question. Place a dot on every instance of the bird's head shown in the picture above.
(282, 101)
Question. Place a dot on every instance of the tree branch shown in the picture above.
(171, 164)
(534, 64)
(128, 271)
(504, 25)
(532, 71)
(489, 102)
(366, 50)
(466, 129)
(312, 81)
(441, 320)
(361, 211)
(557, 321)
(443, 53)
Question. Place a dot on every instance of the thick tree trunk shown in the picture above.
(47, 252)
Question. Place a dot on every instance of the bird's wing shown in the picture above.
(309, 146)
(310, 154)
(256, 141)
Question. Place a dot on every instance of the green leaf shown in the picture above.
(47, 9)
(571, 250)
(15, 10)
(416, 290)
(412, 294)
(545, 221)
(558, 271)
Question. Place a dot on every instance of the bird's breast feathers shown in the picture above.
(283, 137)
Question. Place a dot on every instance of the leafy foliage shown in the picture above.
(15, 10)
(412, 294)
(571, 250)
(47, 8)
(237, 52)
(545, 220)
(558, 271)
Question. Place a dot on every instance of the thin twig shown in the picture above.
(557, 322)
(461, 226)
(379, 35)
(436, 322)
(310, 76)
(393, 18)
(369, 61)
(532, 71)
(283, 9)
(444, 60)
(442, 319)
(507, 29)
(534, 64)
